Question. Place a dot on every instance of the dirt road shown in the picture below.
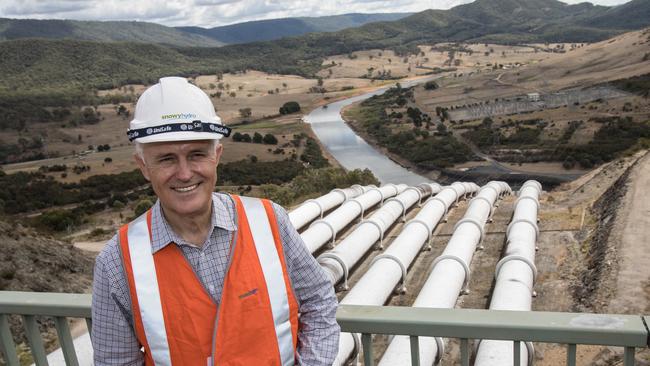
(630, 234)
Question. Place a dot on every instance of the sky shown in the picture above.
(213, 13)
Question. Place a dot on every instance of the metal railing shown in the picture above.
(572, 329)
(31, 304)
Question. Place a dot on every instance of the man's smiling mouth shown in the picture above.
(186, 189)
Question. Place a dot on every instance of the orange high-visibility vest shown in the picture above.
(177, 322)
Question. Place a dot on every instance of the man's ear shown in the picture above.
(142, 166)
(218, 151)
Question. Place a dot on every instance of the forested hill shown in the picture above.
(266, 30)
(101, 31)
(46, 66)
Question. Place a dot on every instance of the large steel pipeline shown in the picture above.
(324, 230)
(388, 270)
(449, 275)
(338, 261)
(515, 276)
(313, 208)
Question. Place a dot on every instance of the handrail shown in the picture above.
(628, 331)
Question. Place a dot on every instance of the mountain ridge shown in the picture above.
(85, 65)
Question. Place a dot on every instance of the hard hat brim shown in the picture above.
(179, 136)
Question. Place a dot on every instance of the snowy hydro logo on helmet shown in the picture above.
(179, 116)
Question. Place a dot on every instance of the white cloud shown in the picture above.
(212, 13)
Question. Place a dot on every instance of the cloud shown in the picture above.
(37, 7)
(212, 13)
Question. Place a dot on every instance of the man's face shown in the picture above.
(182, 174)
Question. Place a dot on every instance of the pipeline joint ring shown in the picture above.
(402, 288)
(342, 192)
(528, 198)
(320, 207)
(394, 187)
(357, 347)
(441, 350)
(529, 222)
(456, 258)
(381, 195)
(429, 230)
(360, 206)
(458, 194)
(496, 191)
(381, 231)
(340, 261)
(481, 198)
(417, 191)
(511, 257)
(394, 199)
(472, 221)
(436, 198)
(329, 225)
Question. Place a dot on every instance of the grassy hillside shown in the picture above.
(101, 31)
(631, 15)
(266, 30)
(35, 68)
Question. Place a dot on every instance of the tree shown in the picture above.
(245, 112)
(290, 107)
(257, 138)
(430, 85)
(269, 139)
(142, 206)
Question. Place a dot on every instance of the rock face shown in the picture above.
(30, 262)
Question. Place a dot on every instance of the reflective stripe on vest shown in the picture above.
(273, 275)
(146, 289)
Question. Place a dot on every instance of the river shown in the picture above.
(350, 150)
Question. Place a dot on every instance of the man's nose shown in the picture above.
(184, 170)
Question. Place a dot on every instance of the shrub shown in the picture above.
(142, 206)
(257, 138)
(269, 139)
(431, 85)
(290, 107)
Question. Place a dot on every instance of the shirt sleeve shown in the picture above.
(113, 338)
(318, 335)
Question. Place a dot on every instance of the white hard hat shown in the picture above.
(175, 110)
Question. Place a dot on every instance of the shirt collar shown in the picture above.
(162, 234)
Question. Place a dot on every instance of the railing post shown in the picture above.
(35, 340)
(366, 342)
(516, 353)
(415, 351)
(629, 356)
(65, 339)
(7, 345)
(464, 352)
(571, 355)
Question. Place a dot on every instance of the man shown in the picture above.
(205, 278)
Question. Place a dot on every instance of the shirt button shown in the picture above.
(202, 255)
(211, 287)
